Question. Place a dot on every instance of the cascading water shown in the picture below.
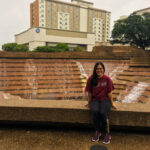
(3, 73)
(82, 71)
(135, 92)
(30, 67)
(84, 77)
(117, 70)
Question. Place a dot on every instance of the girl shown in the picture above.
(100, 100)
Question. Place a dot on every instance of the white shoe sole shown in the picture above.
(106, 143)
(97, 139)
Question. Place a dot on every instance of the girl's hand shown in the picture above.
(87, 105)
(114, 106)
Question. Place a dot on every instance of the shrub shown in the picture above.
(78, 49)
(21, 48)
(61, 47)
(14, 47)
(44, 49)
(9, 46)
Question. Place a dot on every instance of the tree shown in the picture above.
(134, 30)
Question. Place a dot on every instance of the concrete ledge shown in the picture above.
(64, 111)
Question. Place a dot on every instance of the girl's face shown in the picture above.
(99, 71)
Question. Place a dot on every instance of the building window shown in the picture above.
(63, 21)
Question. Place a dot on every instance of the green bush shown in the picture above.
(21, 48)
(61, 47)
(9, 46)
(78, 49)
(44, 49)
(14, 47)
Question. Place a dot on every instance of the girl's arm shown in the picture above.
(89, 99)
(110, 95)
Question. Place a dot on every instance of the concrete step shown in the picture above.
(50, 91)
(134, 78)
(40, 73)
(10, 60)
(63, 77)
(38, 81)
(134, 73)
(70, 111)
(55, 96)
(40, 86)
(121, 87)
(38, 69)
(27, 65)
(138, 69)
(140, 61)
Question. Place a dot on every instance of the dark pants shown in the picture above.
(100, 110)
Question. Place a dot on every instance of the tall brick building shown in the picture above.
(77, 19)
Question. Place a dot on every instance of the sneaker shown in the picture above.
(96, 136)
(107, 139)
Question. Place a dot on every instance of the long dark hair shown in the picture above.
(94, 75)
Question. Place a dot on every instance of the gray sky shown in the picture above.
(15, 14)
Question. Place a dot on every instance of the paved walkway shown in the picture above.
(67, 139)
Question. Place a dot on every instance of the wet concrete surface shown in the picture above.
(41, 138)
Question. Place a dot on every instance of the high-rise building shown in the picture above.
(76, 23)
(78, 16)
(138, 12)
(141, 11)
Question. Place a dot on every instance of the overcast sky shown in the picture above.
(15, 14)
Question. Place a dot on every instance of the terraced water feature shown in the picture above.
(55, 79)
(60, 79)
(41, 84)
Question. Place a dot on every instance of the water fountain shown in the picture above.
(51, 78)
(57, 79)
(46, 79)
